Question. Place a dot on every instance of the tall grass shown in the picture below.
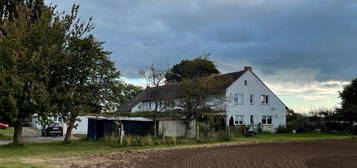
(130, 140)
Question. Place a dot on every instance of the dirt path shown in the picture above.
(307, 154)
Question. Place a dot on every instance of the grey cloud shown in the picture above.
(273, 35)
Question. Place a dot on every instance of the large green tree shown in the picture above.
(27, 51)
(90, 79)
(9, 9)
(190, 69)
(52, 66)
(348, 112)
(85, 78)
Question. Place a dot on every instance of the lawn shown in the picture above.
(292, 137)
(14, 156)
(6, 134)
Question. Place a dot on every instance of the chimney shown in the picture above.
(248, 68)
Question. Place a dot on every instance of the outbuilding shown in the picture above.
(102, 127)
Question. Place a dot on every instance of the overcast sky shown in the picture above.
(305, 50)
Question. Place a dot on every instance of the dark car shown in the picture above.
(53, 129)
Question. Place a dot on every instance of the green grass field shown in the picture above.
(10, 156)
(292, 137)
(6, 134)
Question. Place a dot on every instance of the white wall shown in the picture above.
(254, 86)
(82, 124)
(176, 128)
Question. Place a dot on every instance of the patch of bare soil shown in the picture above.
(299, 154)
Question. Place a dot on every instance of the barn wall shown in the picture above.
(176, 128)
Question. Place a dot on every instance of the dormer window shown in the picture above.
(245, 82)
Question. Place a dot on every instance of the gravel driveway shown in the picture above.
(33, 135)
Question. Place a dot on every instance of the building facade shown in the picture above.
(248, 100)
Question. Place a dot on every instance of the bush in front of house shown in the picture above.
(290, 126)
(282, 129)
(222, 136)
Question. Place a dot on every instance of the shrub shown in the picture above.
(282, 129)
(290, 126)
(303, 124)
(259, 128)
(172, 141)
(148, 140)
(114, 140)
(127, 140)
(223, 136)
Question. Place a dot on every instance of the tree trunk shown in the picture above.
(67, 138)
(156, 129)
(18, 139)
(187, 128)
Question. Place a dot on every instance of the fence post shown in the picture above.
(197, 132)
(228, 130)
(163, 133)
(121, 133)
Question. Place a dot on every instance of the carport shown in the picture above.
(102, 127)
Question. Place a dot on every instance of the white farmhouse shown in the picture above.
(250, 101)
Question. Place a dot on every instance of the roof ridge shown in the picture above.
(228, 73)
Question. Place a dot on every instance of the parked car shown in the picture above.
(3, 126)
(53, 129)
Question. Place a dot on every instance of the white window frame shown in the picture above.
(238, 101)
(239, 119)
(266, 117)
(245, 82)
(264, 99)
